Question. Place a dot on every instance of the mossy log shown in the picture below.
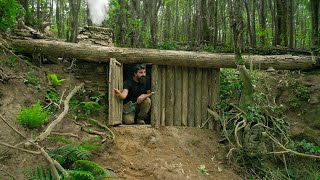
(154, 56)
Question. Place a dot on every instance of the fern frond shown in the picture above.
(80, 175)
(90, 147)
(89, 144)
(60, 139)
(54, 79)
(91, 140)
(81, 153)
(71, 152)
(33, 116)
(39, 173)
(97, 170)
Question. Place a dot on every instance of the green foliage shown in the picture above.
(39, 173)
(94, 168)
(89, 144)
(230, 84)
(60, 139)
(9, 61)
(32, 78)
(53, 95)
(300, 94)
(33, 116)
(308, 148)
(74, 103)
(54, 79)
(202, 169)
(80, 175)
(168, 45)
(98, 97)
(9, 10)
(70, 153)
(90, 107)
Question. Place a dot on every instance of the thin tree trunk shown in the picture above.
(291, 25)
(249, 32)
(263, 25)
(315, 41)
(253, 31)
(74, 14)
(215, 37)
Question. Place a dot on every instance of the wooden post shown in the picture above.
(163, 95)
(170, 96)
(155, 99)
(178, 96)
(211, 89)
(216, 87)
(184, 100)
(191, 97)
(197, 102)
(204, 98)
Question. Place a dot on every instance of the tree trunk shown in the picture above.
(215, 25)
(291, 25)
(254, 38)
(249, 32)
(263, 25)
(204, 21)
(74, 13)
(163, 57)
(315, 23)
(282, 21)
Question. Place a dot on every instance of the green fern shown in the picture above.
(54, 79)
(88, 144)
(90, 107)
(98, 171)
(80, 175)
(39, 173)
(60, 139)
(70, 153)
(33, 116)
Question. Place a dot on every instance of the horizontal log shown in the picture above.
(154, 56)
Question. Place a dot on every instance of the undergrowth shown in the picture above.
(33, 116)
(258, 138)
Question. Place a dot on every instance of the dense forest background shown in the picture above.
(186, 24)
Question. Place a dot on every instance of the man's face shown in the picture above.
(140, 73)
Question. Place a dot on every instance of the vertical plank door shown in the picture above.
(115, 81)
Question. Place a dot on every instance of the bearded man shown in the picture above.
(135, 94)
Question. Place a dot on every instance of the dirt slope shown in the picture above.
(166, 153)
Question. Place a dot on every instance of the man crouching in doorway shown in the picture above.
(135, 95)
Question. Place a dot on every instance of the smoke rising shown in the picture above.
(98, 10)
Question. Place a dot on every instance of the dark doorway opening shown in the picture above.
(128, 70)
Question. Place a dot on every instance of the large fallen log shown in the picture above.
(154, 56)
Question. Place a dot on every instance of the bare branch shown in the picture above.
(61, 116)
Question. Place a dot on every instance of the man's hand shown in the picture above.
(121, 95)
(117, 92)
(141, 98)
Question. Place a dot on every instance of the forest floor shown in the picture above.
(139, 152)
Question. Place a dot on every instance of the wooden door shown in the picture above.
(115, 81)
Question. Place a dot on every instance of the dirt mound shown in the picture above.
(166, 153)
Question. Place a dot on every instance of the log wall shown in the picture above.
(182, 95)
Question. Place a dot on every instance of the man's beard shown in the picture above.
(142, 80)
